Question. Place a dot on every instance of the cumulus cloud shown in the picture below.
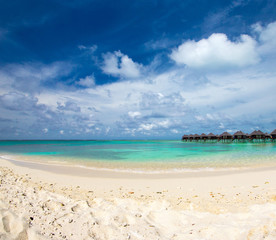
(159, 108)
(88, 81)
(147, 127)
(267, 37)
(217, 51)
(118, 64)
(176, 101)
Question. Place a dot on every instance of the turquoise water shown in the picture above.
(154, 155)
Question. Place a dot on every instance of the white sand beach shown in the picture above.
(39, 201)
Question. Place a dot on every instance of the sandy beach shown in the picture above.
(40, 201)
(137, 120)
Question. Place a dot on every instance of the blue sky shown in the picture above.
(106, 69)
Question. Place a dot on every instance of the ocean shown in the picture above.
(154, 156)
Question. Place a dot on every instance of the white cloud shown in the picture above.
(153, 107)
(17, 101)
(147, 127)
(267, 37)
(134, 114)
(268, 33)
(69, 105)
(210, 116)
(88, 81)
(174, 131)
(30, 77)
(217, 51)
(175, 101)
(118, 64)
(165, 123)
(199, 118)
(45, 130)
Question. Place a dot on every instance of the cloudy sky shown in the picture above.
(145, 69)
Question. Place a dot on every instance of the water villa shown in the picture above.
(257, 135)
(212, 136)
(239, 136)
(225, 136)
(203, 137)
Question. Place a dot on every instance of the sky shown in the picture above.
(141, 69)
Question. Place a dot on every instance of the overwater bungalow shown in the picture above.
(225, 136)
(257, 135)
(196, 137)
(191, 137)
(273, 135)
(203, 137)
(239, 135)
(185, 137)
(212, 136)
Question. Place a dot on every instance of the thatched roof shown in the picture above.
(239, 133)
(236, 135)
(257, 133)
(260, 132)
(211, 135)
(273, 133)
(253, 133)
(203, 135)
(225, 134)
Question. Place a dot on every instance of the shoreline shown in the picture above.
(143, 157)
(170, 186)
(72, 168)
(105, 204)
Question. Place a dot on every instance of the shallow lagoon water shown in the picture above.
(144, 155)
